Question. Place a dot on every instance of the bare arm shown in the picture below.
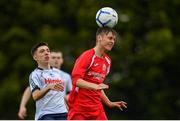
(66, 101)
(119, 104)
(25, 98)
(38, 94)
(105, 99)
(88, 85)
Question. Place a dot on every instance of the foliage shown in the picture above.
(145, 65)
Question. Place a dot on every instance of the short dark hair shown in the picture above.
(36, 46)
(105, 30)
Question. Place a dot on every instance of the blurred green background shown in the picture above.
(146, 64)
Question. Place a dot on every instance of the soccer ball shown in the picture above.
(106, 16)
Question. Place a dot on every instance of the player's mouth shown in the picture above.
(111, 45)
(46, 58)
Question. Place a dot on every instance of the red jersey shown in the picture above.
(94, 69)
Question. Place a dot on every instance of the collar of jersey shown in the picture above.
(43, 69)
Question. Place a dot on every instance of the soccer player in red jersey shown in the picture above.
(89, 72)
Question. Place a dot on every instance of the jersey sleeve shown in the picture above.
(81, 66)
(108, 60)
(33, 82)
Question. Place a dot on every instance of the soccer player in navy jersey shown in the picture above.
(56, 61)
(88, 75)
(47, 86)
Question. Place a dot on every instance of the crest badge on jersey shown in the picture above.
(52, 75)
(104, 67)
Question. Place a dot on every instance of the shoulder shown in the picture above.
(55, 69)
(61, 72)
(35, 75)
(87, 54)
(35, 72)
(108, 59)
(65, 73)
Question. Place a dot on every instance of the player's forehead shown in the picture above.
(56, 54)
(44, 47)
(111, 34)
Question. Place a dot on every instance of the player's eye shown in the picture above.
(48, 50)
(41, 51)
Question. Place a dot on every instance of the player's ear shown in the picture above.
(99, 37)
(34, 57)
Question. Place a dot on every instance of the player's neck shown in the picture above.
(44, 66)
(99, 52)
(58, 68)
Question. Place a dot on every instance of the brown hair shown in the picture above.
(105, 30)
(36, 46)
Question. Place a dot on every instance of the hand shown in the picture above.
(120, 105)
(56, 87)
(102, 86)
(22, 113)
